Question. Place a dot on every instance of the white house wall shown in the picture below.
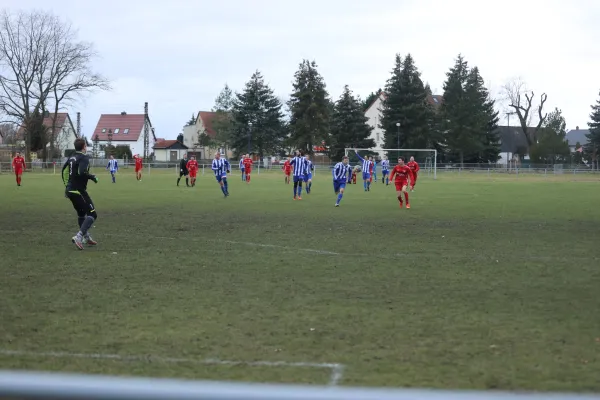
(374, 116)
(190, 135)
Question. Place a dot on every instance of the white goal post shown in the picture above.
(427, 163)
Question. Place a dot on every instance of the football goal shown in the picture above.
(427, 158)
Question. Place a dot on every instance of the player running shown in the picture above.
(138, 167)
(385, 171)
(18, 166)
(242, 169)
(402, 173)
(183, 171)
(367, 164)
(374, 174)
(221, 168)
(248, 167)
(78, 166)
(299, 165)
(113, 167)
(341, 175)
(309, 173)
(414, 167)
(192, 167)
(287, 170)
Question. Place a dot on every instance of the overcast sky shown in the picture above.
(177, 55)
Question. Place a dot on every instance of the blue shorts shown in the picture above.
(337, 185)
(298, 178)
(307, 177)
(384, 173)
(242, 169)
(366, 176)
(219, 178)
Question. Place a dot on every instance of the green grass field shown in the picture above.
(484, 283)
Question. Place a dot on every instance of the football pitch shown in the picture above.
(485, 283)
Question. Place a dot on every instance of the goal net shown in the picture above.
(427, 158)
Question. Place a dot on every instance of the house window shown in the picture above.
(126, 131)
(103, 130)
(116, 131)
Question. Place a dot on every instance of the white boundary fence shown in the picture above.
(47, 386)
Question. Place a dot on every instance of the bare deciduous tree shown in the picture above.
(520, 99)
(42, 67)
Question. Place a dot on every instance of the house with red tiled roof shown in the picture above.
(62, 136)
(203, 125)
(373, 113)
(124, 130)
(169, 150)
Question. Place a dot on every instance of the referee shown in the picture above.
(75, 175)
(183, 171)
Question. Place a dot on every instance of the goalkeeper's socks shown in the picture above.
(178, 180)
(187, 182)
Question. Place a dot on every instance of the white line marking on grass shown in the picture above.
(337, 370)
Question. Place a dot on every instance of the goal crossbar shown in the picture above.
(349, 150)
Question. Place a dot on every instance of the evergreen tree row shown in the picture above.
(463, 129)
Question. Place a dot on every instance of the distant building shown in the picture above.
(575, 136)
(204, 124)
(64, 133)
(169, 150)
(126, 129)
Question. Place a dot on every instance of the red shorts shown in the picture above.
(18, 171)
(287, 173)
(400, 185)
(137, 169)
(193, 174)
(248, 172)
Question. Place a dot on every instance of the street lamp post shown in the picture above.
(249, 136)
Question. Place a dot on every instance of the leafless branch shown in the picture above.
(520, 99)
(42, 66)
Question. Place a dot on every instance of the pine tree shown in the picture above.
(406, 103)
(592, 148)
(309, 106)
(456, 110)
(192, 120)
(257, 105)
(371, 98)
(222, 122)
(484, 117)
(349, 126)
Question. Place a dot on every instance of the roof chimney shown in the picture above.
(576, 128)
(123, 113)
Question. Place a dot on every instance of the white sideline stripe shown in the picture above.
(337, 370)
(490, 258)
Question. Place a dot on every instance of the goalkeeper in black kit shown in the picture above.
(183, 171)
(76, 174)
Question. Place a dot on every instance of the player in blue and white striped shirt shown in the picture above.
(342, 173)
(309, 172)
(242, 168)
(221, 168)
(299, 164)
(366, 170)
(385, 171)
(113, 167)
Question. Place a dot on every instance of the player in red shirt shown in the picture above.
(402, 174)
(247, 167)
(192, 167)
(287, 170)
(371, 170)
(414, 167)
(138, 167)
(18, 165)
(354, 174)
